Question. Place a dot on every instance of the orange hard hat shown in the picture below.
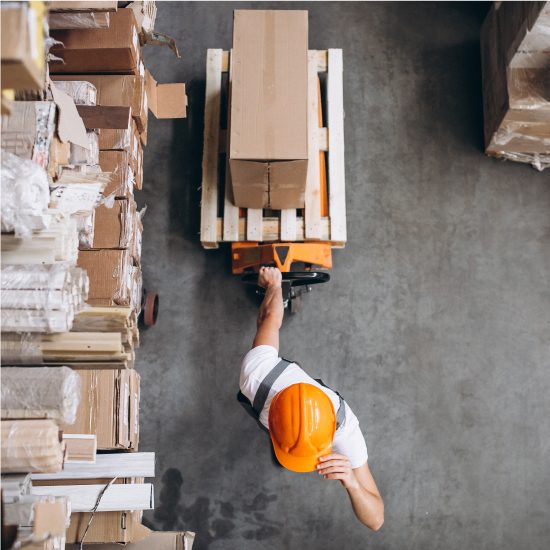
(302, 423)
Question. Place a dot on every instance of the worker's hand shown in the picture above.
(269, 277)
(335, 466)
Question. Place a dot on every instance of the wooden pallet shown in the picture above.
(290, 225)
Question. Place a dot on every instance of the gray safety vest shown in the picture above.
(254, 409)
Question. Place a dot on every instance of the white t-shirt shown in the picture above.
(348, 440)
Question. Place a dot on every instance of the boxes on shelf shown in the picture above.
(29, 130)
(84, 50)
(118, 226)
(108, 408)
(23, 54)
(122, 178)
(516, 86)
(117, 527)
(117, 90)
(115, 280)
(268, 122)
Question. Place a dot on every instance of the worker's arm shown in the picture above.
(359, 483)
(270, 316)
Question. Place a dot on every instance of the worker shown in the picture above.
(311, 427)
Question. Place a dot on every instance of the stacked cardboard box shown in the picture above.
(515, 56)
(78, 150)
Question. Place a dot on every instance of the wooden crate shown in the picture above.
(284, 225)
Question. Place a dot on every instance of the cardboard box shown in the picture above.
(165, 100)
(118, 90)
(114, 227)
(121, 183)
(157, 540)
(115, 280)
(106, 527)
(269, 91)
(107, 397)
(125, 140)
(23, 56)
(110, 51)
(29, 131)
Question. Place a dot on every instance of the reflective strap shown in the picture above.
(266, 385)
(341, 414)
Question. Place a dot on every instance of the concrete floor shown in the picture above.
(435, 327)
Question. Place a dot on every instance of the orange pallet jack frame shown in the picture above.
(250, 255)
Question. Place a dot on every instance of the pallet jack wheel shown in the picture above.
(150, 306)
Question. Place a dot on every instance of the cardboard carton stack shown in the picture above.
(71, 275)
(515, 57)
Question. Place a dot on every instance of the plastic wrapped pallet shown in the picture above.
(515, 41)
(40, 392)
(31, 446)
(25, 195)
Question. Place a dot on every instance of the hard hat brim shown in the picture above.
(300, 464)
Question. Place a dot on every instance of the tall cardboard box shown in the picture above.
(115, 50)
(107, 401)
(268, 123)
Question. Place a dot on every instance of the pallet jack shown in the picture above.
(299, 263)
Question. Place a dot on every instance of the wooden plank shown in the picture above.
(254, 224)
(272, 229)
(313, 195)
(106, 117)
(80, 448)
(107, 465)
(321, 60)
(118, 496)
(288, 224)
(230, 211)
(210, 157)
(225, 61)
(336, 164)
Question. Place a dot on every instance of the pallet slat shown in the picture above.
(336, 165)
(210, 157)
(254, 224)
(313, 195)
(230, 211)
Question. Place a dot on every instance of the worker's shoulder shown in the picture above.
(260, 356)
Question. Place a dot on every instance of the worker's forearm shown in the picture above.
(368, 507)
(272, 306)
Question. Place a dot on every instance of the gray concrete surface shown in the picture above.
(435, 327)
